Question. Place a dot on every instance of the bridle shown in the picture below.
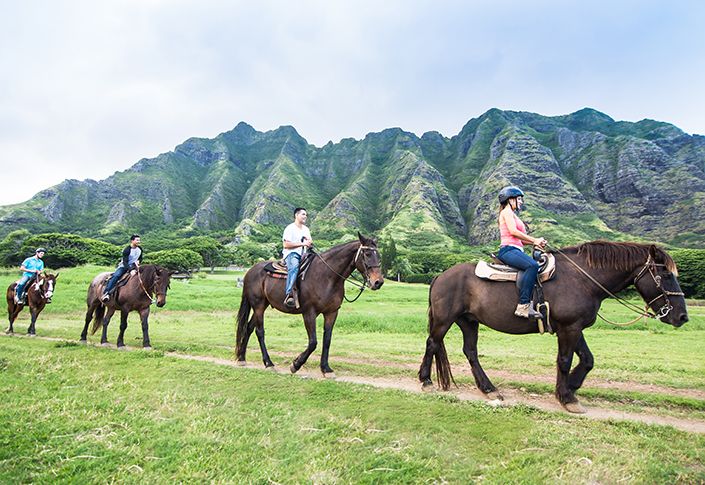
(366, 267)
(40, 288)
(154, 284)
(649, 266)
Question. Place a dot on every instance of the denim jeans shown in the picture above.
(516, 258)
(115, 278)
(292, 268)
(19, 289)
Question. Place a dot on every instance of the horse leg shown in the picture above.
(310, 323)
(257, 322)
(470, 331)
(567, 344)
(577, 375)
(123, 327)
(34, 313)
(435, 347)
(89, 317)
(12, 313)
(328, 322)
(106, 322)
(144, 315)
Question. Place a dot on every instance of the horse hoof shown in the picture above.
(575, 408)
(494, 396)
(293, 369)
(147, 348)
(428, 387)
(31, 335)
(121, 347)
(105, 344)
(329, 375)
(241, 363)
(270, 368)
(9, 332)
(83, 342)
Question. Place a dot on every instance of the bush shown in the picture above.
(419, 278)
(180, 260)
(68, 250)
(691, 271)
(11, 248)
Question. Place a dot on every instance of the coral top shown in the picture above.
(506, 239)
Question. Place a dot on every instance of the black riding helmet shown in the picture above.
(508, 192)
(40, 250)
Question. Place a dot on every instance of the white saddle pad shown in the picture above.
(500, 272)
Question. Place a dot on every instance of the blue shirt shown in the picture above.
(32, 262)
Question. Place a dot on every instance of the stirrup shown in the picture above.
(289, 301)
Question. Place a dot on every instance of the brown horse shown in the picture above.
(321, 291)
(39, 293)
(458, 296)
(135, 295)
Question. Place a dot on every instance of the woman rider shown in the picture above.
(513, 234)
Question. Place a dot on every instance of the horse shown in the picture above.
(321, 291)
(135, 295)
(458, 296)
(39, 292)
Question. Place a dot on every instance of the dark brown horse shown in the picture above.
(135, 295)
(38, 293)
(458, 296)
(321, 291)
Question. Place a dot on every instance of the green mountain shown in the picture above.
(585, 175)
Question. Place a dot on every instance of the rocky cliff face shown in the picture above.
(585, 176)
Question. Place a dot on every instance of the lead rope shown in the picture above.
(630, 306)
(361, 286)
(139, 277)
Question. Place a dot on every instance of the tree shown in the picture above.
(210, 249)
(11, 246)
(180, 260)
(388, 255)
(67, 250)
(401, 267)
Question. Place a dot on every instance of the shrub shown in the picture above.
(67, 250)
(181, 260)
(691, 271)
(419, 278)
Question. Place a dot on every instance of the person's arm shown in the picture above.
(508, 216)
(139, 260)
(126, 257)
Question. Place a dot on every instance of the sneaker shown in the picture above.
(526, 310)
(17, 300)
(105, 297)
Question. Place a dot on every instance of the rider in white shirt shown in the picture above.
(296, 237)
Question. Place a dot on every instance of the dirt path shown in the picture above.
(512, 397)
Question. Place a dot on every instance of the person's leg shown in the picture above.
(19, 289)
(517, 258)
(292, 267)
(114, 279)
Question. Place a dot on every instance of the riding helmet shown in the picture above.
(509, 192)
(40, 250)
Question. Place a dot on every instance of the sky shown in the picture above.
(89, 88)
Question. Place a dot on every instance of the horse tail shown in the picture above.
(97, 318)
(443, 373)
(242, 317)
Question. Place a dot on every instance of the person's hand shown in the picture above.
(540, 242)
(133, 272)
(307, 242)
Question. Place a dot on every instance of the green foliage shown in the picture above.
(211, 250)
(691, 271)
(388, 253)
(67, 250)
(419, 278)
(248, 253)
(11, 248)
(181, 260)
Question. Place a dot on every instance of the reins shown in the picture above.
(349, 278)
(631, 306)
(139, 277)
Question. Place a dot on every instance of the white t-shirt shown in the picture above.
(293, 234)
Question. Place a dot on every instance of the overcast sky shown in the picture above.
(88, 88)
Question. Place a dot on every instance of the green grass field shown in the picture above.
(87, 414)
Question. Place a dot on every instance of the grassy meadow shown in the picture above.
(88, 414)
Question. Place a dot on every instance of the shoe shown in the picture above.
(17, 300)
(105, 298)
(289, 301)
(526, 310)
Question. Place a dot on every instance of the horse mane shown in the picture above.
(335, 249)
(621, 255)
(148, 272)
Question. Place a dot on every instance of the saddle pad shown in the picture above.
(499, 272)
(275, 267)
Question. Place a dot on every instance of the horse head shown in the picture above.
(160, 285)
(45, 285)
(367, 262)
(657, 283)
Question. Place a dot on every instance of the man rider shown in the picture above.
(31, 266)
(296, 237)
(131, 259)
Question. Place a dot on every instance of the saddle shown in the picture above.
(278, 269)
(498, 271)
(121, 282)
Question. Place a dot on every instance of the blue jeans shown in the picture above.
(115, 278)
(516, 258)
(292, 268)
(19, 289)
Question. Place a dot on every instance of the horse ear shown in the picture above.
(362, 238)
(652, 251)
(56, 275)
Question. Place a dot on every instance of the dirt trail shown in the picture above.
(512, 397)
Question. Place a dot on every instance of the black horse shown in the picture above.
(321, 291)
(458, 296)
